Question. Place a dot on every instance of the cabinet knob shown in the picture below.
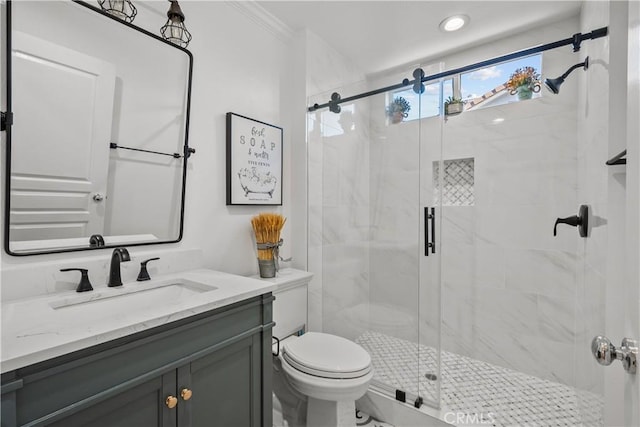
(186, 394)
(171, 402)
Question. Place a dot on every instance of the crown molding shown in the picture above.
(262, 17)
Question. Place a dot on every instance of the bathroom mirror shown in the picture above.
(99, 135)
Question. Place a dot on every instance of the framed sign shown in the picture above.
(254, 162)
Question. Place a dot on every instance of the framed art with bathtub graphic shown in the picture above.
(254, 162)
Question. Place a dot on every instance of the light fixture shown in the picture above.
(454, 23)
(122, 9)
(554, 84)
(174, 30)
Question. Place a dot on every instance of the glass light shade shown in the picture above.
(174, 30)
(121, 9)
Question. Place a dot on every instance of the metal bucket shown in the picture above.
(267, 268)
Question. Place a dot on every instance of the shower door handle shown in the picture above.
(429, 214)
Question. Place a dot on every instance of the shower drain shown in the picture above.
(430, 376)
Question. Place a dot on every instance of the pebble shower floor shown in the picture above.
(470, 386)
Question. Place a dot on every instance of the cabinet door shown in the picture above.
(225, 387)
(142, 405)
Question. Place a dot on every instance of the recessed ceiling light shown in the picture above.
(454, 23)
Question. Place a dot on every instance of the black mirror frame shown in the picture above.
(7, 119)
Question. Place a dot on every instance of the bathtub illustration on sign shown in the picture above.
(257, 185)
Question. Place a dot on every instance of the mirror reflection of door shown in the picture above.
(59, 171)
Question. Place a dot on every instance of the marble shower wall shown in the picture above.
(341, 144)
(508, 285)
(332, 149)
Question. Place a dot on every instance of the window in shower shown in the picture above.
(432, 99)
(486, 87)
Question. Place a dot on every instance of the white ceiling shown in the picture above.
(379, 35)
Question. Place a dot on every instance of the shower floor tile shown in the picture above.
(478, 389)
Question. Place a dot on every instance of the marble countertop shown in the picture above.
(34, 329)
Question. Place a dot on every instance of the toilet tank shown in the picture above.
(290, 305)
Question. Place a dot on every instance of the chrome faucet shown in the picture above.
(119, 255)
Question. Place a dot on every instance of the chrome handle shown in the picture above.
(605, 352)
(98, 197)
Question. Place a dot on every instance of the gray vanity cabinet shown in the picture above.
(136, 406)
(216, 365)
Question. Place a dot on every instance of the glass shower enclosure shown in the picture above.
(369, 235)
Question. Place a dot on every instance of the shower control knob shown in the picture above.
(605, 352)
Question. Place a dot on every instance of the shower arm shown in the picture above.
(570, 70)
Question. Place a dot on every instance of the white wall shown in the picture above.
(242, 68)
(239, 66)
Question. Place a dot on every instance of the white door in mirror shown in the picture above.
(55, 176)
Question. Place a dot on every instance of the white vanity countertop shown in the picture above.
(34, 330)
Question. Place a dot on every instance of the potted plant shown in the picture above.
(398, 110)
(524, 82)
(453, 106)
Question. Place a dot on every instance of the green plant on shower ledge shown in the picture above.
(399, 109)
(453, 106)
(524, 82)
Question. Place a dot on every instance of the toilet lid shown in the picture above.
(327, 356)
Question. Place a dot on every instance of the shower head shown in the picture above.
(554, 84)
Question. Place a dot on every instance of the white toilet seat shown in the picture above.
(327, 356)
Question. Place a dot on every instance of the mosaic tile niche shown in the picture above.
(457, 183)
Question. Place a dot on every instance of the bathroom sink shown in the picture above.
(132, 296)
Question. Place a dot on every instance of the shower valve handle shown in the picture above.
(570, 220)
(580, 221)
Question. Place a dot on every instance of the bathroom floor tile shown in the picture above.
(473, 387)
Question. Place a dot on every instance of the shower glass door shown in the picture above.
(367, 234)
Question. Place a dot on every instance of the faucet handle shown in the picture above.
(85, 284)
(144, 274)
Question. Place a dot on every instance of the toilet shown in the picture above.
(317, 377)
